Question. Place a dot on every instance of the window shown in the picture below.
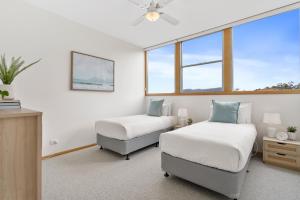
(202, 64)
(266, 53)
(258, 57)
(161, 70)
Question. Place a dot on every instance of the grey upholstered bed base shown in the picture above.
(125, 147)
(224, 182)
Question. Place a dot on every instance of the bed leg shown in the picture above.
(166, 174)
(156, 144)
(101, 147)
(127, 156)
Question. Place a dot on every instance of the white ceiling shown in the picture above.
(114, 17)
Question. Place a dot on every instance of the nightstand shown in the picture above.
(281, 153)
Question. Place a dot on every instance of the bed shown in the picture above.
(211, 154)
(125, 135)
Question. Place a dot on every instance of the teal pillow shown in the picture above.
(225, 112)
(155, 108)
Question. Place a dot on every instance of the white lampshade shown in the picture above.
(182, 112)
(272, 118)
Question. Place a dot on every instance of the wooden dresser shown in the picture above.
(20, 154)
(281, 153)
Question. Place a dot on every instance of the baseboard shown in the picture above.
(67, 151)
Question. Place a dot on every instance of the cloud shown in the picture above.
(251, 74)
(202, 77)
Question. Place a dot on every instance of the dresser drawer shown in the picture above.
(282, 159)
(280, 147)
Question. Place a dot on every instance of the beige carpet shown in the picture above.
(94, 174)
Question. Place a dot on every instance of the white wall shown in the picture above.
(287, 105)
(69, 116)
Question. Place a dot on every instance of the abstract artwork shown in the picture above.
(91, 73)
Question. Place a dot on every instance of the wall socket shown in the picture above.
(53, 142)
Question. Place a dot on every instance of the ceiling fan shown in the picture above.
(152, 11)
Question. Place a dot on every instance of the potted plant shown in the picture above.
(3, 94)
(9, 72)
(190, 121)
(292, 132)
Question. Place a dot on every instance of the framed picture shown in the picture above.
(91, 73)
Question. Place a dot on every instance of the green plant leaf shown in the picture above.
(24, 68)
(3, 69)
(14, 68)
(9, 73)
(5, 94)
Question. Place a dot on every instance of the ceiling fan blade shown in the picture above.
(138, 20)
(139, 3)
(169, 19)
(135, 2)
(163, 3)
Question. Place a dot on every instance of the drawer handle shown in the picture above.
(281, 154)
(281, 143)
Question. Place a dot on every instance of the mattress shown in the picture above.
(220, 145)
(125, 128)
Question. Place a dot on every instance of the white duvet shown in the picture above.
(219, 145)
(124, 128)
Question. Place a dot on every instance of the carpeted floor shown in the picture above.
(94, 174)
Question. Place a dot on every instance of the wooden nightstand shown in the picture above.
(281, 153)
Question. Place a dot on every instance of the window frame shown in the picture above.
(227, 71)
(201, 63)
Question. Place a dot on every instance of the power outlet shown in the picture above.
(53, 142)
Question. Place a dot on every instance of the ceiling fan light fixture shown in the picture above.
(152, 16)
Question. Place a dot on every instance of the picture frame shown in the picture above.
(92, 73)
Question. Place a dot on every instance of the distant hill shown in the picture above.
(219, 89)
(283, 86)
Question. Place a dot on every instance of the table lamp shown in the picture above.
(272, 119)
(182, 116)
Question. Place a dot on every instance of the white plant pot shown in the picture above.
(10, 90)
(292, 136)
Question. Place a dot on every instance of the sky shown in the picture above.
(265, 52)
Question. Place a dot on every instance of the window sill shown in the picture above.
(228, 93)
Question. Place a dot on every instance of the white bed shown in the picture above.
(219, 145)
(125, 128)
(128, 134)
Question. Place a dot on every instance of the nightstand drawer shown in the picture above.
(281, 147)
(282, 159)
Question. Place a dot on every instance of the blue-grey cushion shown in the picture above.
(155, 108)
(225, 112)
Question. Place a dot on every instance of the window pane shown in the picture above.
(202, 78)
(267, 53)
(161, 70)
(202, 49)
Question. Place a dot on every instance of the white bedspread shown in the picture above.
(219, 145)
(124, 128)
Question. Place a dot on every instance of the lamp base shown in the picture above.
(271, 132)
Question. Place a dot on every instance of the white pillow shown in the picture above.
(244, 115)
(167, 109)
